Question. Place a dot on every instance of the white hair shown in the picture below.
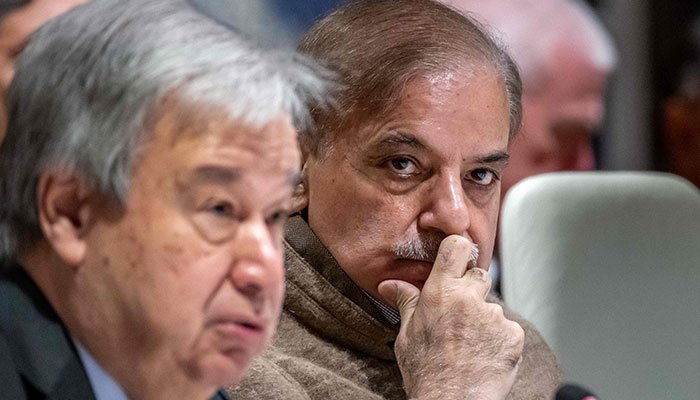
(532, 29)
(89, 80)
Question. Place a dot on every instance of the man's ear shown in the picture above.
(300, 197)
(64, 215)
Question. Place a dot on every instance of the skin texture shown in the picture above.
(15, 28)
(175, 293)
(473, 353)
(427, 175)
(430, 170)
(560, 116)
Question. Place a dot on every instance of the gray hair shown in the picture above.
(381, 46)
(532, 28)
(89, 81)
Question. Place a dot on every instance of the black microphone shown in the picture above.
(574, 392)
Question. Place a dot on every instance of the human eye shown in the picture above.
(277, 218)
(216, 217)
(483, 177)
(220, 208)
(403, 166)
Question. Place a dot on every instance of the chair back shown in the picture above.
(607, 266)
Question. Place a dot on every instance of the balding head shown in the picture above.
(550, 22)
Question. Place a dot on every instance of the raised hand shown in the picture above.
(452, 343)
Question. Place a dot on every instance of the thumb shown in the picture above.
(401, 295)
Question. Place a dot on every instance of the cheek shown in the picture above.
(172, 241)
(483, 231)
(162, 290)
(357, 215)
(181, 278)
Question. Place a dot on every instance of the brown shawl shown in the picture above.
(332, 343)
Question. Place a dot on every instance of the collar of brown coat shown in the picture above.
(325, 299)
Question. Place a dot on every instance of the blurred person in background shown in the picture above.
(681, 113)
(147, 170)
(565, 57)
(19, 18)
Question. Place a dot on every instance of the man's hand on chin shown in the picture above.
(452, 343)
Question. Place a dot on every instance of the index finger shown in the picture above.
(478, 279)
(453, 257)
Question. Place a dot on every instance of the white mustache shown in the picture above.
(425, 248)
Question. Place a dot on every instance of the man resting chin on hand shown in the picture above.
(384, 296)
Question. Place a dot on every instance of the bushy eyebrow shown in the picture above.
(401, 138)
(407, 139)
(215, 174)
(493, 158)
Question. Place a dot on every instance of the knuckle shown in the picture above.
(520, 335)
(513, 361)
(517, 333)
(496, 310)
(478, 274)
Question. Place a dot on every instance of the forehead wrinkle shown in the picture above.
(228, 176)
(215, 174)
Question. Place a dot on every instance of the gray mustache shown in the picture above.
(425, 248)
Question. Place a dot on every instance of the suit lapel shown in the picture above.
(40, 347)
(72, 383)
(38, 342)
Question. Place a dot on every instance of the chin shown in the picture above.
(224, 369)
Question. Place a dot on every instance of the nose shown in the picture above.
(258, 265)
(446, 209)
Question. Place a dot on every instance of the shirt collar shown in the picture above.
(392, 315)
(104, 387)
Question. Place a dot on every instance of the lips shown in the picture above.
(240, 329)
(413, 271)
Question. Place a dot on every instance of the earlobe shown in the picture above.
(64, 215)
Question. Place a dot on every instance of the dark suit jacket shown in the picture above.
(37, 356)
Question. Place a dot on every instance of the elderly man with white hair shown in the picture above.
(147, 170)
